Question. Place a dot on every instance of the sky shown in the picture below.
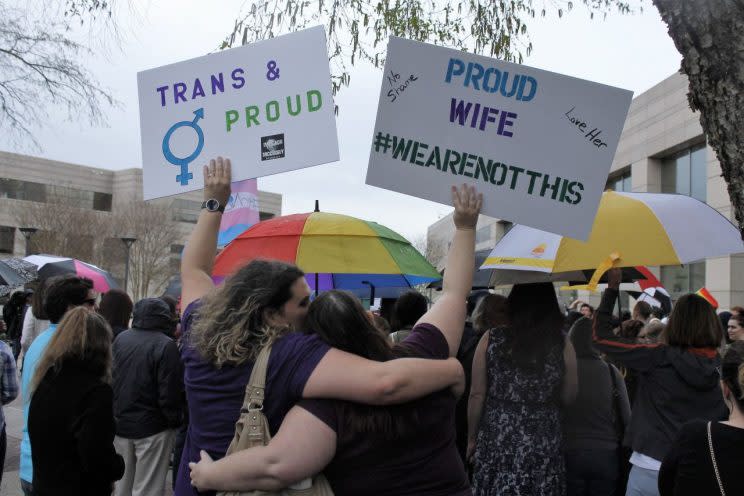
(632, 52)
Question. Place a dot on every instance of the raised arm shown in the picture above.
(345, 376)
(478, 390)
(201, 248)
(626, 351)
(303, 446)
(448, 313)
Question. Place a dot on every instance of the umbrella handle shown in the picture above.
(606, 265)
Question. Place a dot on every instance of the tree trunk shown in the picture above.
(710, 36)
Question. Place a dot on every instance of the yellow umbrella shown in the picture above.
(630, 229)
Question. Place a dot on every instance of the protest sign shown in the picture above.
(268, 106)
(539, 145)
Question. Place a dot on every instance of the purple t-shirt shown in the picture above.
(424, 461)
(215, 396)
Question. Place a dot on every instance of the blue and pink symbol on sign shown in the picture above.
(183, 163)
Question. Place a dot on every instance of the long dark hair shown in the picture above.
(535, 324)
(116, 307)
(82, 336)
(693, 324)
(37, 301)
(230, 327)
(732, 371)
(339, 319)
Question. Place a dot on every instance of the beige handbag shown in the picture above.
(252, 429)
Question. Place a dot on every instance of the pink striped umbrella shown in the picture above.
(50, 266)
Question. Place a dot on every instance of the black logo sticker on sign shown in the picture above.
(272, 147)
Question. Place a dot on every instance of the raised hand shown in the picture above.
(217, 179)
(467, 202)
(614, 277)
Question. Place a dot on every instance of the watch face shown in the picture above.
(213, 205)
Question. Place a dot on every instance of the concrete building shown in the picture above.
(25, 180)
(662, 150)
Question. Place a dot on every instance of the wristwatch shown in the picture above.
(213, 205)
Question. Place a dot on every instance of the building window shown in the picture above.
(186, 210)
(686, 173)
(621, 182)
(483, 234)
(685, 279)
(7, 239)
(262, 216)
(102, 202)
(49, 193)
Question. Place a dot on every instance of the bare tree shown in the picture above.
(155, 231)
(710, 36)
(40, 68)
(65, 229)
(359, 29)
(708, 33)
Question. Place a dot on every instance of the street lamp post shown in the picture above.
(128, 243)
(27, 233)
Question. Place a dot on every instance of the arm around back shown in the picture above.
(345, 376)
(302, 447)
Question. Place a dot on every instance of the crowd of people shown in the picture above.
(475, 393)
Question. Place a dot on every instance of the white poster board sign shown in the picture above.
(538, 145)
(267, 106)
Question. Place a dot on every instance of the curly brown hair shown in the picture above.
(229, 326)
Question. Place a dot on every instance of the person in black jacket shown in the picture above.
(688, 468)
(148, 398)
(594, 423)
(70, 419)
(678, 379)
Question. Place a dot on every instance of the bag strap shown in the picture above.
(254, 391)
(713, 459)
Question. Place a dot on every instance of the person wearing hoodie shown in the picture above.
(148, 398)
(678, 380)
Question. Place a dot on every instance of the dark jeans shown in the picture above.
(592, 472)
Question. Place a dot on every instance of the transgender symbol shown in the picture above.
(183, 163)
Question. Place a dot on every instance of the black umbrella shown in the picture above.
(487, 278)
(15, 272)
(656, 297)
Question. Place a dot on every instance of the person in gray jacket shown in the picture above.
(148, 398)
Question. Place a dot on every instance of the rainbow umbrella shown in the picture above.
(336, 251)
